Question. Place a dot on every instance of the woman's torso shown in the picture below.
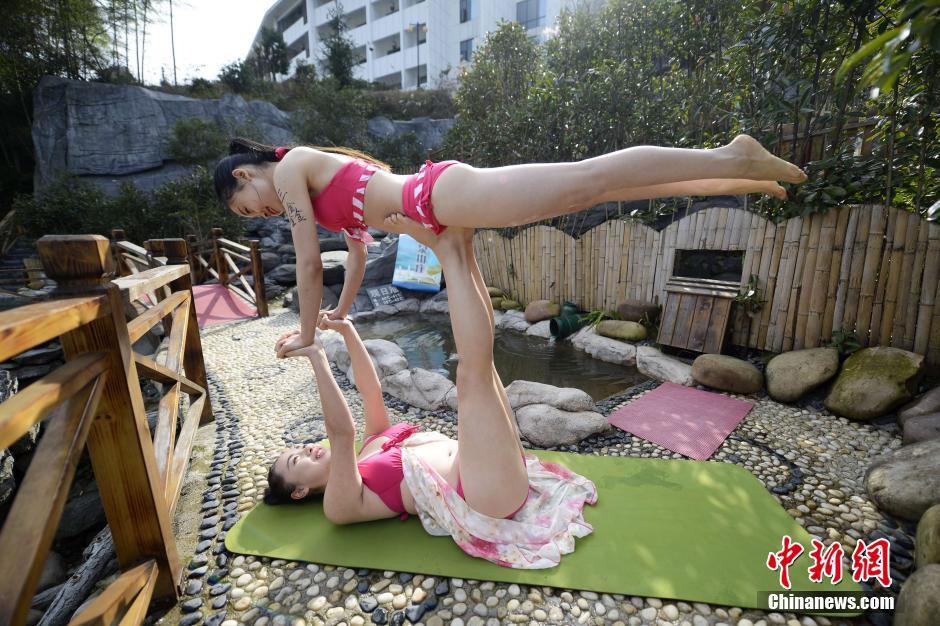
(440, 454)
(383, 190)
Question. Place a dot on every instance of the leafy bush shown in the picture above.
(71, 206)
(405, 105)
(197, 142)
(402, 153)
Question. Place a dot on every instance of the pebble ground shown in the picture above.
(813, 463)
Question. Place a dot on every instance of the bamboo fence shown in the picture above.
(866, 269)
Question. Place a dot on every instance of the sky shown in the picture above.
(209, 34)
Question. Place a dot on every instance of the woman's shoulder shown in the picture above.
(316, 166)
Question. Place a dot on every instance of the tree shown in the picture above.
(270, 54)
(238, 76)
(338, 58)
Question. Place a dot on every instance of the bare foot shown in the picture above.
(772, 189)
(759, 164)
(401, 223)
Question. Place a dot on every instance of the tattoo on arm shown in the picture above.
(293, 213)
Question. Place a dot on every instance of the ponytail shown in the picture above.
(247, 152)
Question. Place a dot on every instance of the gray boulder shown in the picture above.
(109, 134)
(381, 267)
(906, 482)
(658, 366)
(727, 373)
(39, 356)
(927, 541)
(546, 426)
(53, 572)
(270, 260)
(429, 132)
(7, 480)
(387, 357)
(513, 320)
(525, 392)
(604, 348)
(922, 405)
(285, 274)
(873, 381)
(921, 428)
(82, 512)
(327, 301)
(918, 603)
(541, 329)
(334, 267)
(436, 304)
(793, 374)
(420, 387)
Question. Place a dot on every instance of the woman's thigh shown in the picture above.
(511, 195)
(492, 471)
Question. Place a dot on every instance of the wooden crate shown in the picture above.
(696, 314)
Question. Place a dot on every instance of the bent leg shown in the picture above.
(492, 472)
(521, 194)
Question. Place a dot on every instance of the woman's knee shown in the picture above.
(475, 373)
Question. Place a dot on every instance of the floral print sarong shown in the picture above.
(535, 538)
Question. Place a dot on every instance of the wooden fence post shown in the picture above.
(117, 234)
(122, 453)
(220, 265)
(257, 274)
(177, 253)
(195, 269)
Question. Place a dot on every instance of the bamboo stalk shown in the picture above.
(884, 274)
(806, 281)
(839, 245)
(848, 235)
(905, 296)
(819, 289)
(926, 339)
(792, 304)
(912, 310)
(869, 279)
(779, 234)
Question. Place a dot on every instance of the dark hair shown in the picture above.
(279, 490)
(244, 152)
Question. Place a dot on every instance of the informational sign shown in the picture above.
(385, 294)
(416, 266)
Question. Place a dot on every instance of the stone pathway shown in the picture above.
(812, 461)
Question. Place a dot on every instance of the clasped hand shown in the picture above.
(292, 344)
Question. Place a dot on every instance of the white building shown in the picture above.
(406, 43)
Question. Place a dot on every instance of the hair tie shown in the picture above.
(279, 152)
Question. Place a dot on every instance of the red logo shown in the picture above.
(868, 561)
(871, 561)
(826, 563)
(783, 559)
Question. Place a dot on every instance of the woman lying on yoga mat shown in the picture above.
(349, 191)
(495, 502)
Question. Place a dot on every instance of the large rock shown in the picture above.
(82, 512)
(625, 331)
(7, 480)
(541, 329)
(658, 366)
(727, 373)
(927, 541)
(380, 266)
(546, 426)
(419, 387)
(110, 134)
(873, 381)
(906, 482)
(635, 310)
(793, 374)
(429, 132)
(918, 603)
(53, 572)
(507, 304)
(270, 260)
(604, 348)
(513, 320)
(539, 310)
(921, 428)
(328, 300)
(285, 274)
(387, 357)
(525, 392)
(436, 304)
(922, 405)
(334, 267)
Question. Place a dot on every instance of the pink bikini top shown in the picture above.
(382, 472)
(340, 205)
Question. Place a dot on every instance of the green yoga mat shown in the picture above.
(688, 530)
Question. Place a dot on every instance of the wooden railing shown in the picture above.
(129, 257)
(29, 275)
(95, 400)
(228, 261)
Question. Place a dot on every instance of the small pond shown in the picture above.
(428, 343)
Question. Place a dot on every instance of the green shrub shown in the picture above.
(197, 142)
(405, 105)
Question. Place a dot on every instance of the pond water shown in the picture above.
(429, 343)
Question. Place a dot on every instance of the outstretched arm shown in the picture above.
(292, 190)
(342, 500)
(367, 379)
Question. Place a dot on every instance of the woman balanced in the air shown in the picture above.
(496, 503)
(348, 191)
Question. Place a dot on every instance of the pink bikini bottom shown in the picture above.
(416, 195)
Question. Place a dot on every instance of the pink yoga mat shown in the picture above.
(216, 304)
(682, 419)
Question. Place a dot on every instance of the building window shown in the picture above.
(531, 13)
(466, 11)
(466, 49)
